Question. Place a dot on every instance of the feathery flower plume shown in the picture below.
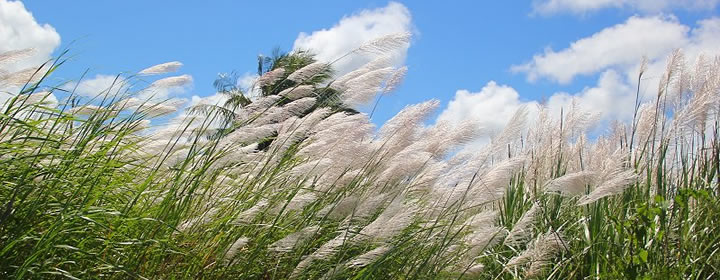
(235, 248)
(391, 222)
(140, 125)
(307, 72)
(404, 164)
(161, 110)
(368, 207)
(444, 136)
(368, 257)
(482, 219)
(387, 43)
(271, 77)
(288, 242)
(262, 103)
(475, 269)
(483, 239)
(127, 103)
(539, 254)
(163, 68)
(248, 134)
(42, 97)
(491, 186)
(295, 93)
(395, 79)
(512, 130)
(408, 117)
(523, 228)
(19, 78)
(362, 89)
(300, 200)
(326, 250)
(613, 186)
(383, 61)
(84, 110)
(249, 214)
(572, 184)
(170, 82)
(14, 56)
(279, 114)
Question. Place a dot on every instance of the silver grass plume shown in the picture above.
(235, 248)
(368, 257)
(170, 82)
(84, 110)
(271, 77)
(383, 61)
(157, 110)
(288, 242)
(491, 186)
(387, 43)
(362, 89)
(307, 72)
(14, 56)
(539, 254)
(340, 209)
(294, 130)
(482, 219)
(298, 92)
(512, 130)
(403, 164)
(42, 97)
(395, 79)
(300, 200)
(249, 214)
(25, 76)
(391, 222)
(262, 103)
(407, 119)
(572, 184)
(613, 186)
(280, 114)
(523, 228)
(484, 238)
(367, 207)
(162, 68)
(127, 103)
(444, 136)
(326, 250)
(475, 269)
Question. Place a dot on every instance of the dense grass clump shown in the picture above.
(285, 188)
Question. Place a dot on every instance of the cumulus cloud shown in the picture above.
(20, 30)
(98, 85)
(354, 30)
(611, 98)
(491, 107)
(622, 45)
(547, 7)
(613, 54)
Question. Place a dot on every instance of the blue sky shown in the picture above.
(457, 45)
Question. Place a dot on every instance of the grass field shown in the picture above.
(290, 190)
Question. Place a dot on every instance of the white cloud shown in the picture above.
(352, 31)
(491, 107)
(547, 7)
(614, 54)
(622, 45)
(611, 98)
(100, 84)
(19, 30)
